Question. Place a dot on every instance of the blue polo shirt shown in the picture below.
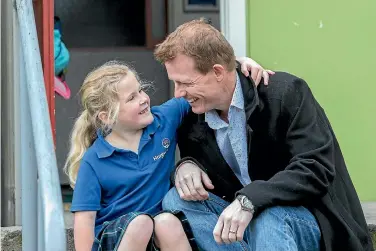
(115, 181)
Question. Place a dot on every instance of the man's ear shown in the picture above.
(219, 72)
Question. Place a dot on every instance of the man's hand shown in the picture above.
(232, 224)
(257, 71)
(189, 182)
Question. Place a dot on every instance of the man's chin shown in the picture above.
(198, 110)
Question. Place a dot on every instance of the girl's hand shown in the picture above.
(248, 65)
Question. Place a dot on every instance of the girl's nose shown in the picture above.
(143, 100)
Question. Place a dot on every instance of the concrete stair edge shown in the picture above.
(11, 238)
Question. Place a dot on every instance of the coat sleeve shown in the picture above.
(310, 142)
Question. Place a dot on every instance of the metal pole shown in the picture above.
(17, 106)
(54, 230)
(7, 116)
(29, 175)
(41, 237)
(0, 116)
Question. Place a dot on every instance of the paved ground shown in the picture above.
(369, 210)
(11, 237)
(68, 218)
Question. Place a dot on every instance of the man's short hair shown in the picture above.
(200, 41)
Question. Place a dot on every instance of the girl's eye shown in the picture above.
(131, 98)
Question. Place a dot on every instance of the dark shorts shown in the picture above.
(109, 237)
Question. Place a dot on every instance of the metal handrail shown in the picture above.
(52, 231)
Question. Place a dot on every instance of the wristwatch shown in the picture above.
(246, 203)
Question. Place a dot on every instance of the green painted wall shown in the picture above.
(332, 45)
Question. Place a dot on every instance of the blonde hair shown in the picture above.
(99, 92)
(200, 41)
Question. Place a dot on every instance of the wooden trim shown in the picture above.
(44, 19)
(234, 15)
(148, 24)
(151, 41)
(166, 17)
(188, 8)
(110, 49)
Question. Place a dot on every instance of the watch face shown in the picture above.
(247, 203)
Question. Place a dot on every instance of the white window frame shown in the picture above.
(233, 24)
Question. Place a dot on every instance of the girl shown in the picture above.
(122, 154)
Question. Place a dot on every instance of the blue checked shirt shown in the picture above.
(232, 137)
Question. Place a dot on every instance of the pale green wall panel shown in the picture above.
(332, 45)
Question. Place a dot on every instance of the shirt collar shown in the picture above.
(212, 117)
(237, 97)
(102, 147)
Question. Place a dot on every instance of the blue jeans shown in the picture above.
(276, 228)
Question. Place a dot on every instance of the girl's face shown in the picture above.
(134, 108)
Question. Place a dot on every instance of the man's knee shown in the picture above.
(172, 200)
(285, 228)
(296, 219)
(281, 214)
(269, 219)
(276, 212)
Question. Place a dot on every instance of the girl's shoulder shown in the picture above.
(91, 154)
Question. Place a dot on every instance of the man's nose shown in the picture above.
(179, 91)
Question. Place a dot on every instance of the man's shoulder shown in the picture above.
(282, 85)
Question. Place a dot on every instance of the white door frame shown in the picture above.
(233, 24)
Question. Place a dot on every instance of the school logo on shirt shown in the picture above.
(166, 143)
(160, 156)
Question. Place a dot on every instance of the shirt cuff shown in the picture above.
(84, 207)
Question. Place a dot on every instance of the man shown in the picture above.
(268, 155)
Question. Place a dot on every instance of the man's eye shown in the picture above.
(131, 98)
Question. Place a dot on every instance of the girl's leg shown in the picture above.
(137, 235)
(169, 233)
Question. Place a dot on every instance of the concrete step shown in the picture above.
(369, 209)
(11, 238)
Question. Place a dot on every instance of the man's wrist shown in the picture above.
(185, 162)
(182, 163)
(246, 203)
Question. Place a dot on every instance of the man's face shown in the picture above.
(201, 91)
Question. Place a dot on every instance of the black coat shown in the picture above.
(293, 159)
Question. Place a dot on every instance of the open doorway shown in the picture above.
(96, 31)
(102, 23)
(112, 23)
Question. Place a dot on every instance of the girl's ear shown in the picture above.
(103, 117)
